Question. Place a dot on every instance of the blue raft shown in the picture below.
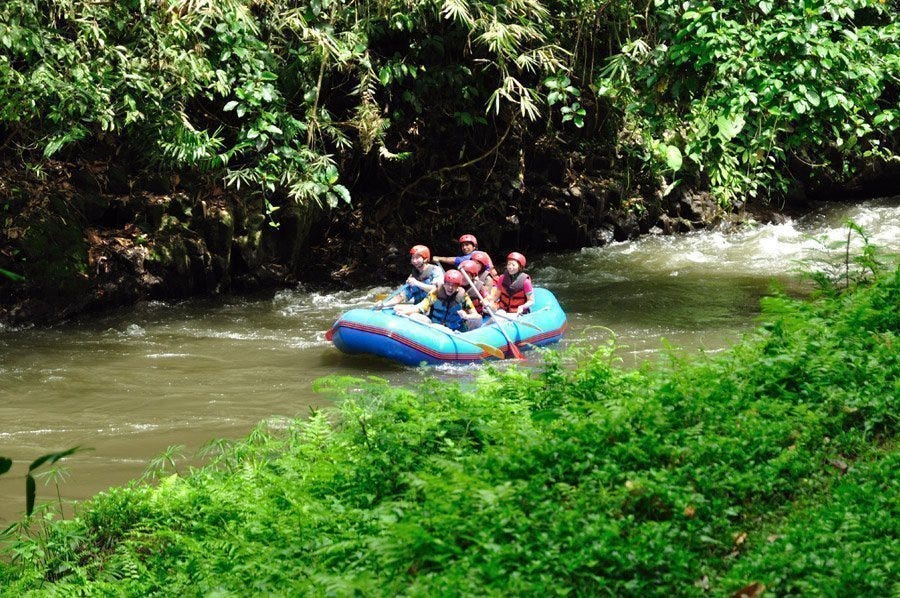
(386, 334)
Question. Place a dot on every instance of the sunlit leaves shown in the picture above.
(755, 85)
(729, 126)
(457, 10)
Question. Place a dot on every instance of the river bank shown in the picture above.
(89, 236)
(133, 381)
(766, 467)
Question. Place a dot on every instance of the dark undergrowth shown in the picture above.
(769, 468)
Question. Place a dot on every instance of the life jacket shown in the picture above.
(444, 310)
(512, 292)
(427, 275)
(484, 289)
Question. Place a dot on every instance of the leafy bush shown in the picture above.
(264, 94)
(771, 464)
(738, 94)
(283, 96)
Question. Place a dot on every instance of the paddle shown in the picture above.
(519, 322)
(512, 346)
(385, 296)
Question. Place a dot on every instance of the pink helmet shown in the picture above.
(482, 258)
(421, 250)
(515, 255)
(454, 277)
(469, 239)
(470, 267)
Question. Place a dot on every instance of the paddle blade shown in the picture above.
(516, 352)
(330, 334)
(492, 351)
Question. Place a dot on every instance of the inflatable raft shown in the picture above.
(386, 334)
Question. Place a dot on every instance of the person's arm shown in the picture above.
(527, 305)
(468, 311)
(398, 296)
(529, 296)
(432, 283)
(490, 298)
(443, 260)
(424, 306)
(421, 307)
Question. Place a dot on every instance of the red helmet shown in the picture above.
(421, 250)
(515, 255)
(470, 267)
(454, 277)
(482, 258)
(469, 239)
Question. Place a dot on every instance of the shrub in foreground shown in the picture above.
(771, 464)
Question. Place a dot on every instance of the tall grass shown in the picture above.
(769, 467)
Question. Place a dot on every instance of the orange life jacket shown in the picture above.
(512, 292)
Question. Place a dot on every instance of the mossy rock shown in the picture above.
(218, 231)
(170, 253)
(54, 253)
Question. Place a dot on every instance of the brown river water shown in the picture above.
(130, 383)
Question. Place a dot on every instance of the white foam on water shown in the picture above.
(135, 331)
(760, 250)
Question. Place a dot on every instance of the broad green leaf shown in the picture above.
(884, 117)
(52, 457)
(729, 127)
(673, 157)
(30, 494)
(230, 106)
(813, 98)
(342, 192)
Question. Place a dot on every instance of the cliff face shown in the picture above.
(86, 236)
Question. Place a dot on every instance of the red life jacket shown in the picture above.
(473, 295)
(512, 292)
(484, 283)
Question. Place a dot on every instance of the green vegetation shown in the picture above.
(744, 96)
(30, 481)
(288, 97)
(773, 464)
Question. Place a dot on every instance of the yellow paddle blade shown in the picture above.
(492, 351)
(381, 296)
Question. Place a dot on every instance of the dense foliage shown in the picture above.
(293, 96)
(265, 93)
(770, 465)
(746, 95)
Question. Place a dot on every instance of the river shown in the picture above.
(130, 383)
